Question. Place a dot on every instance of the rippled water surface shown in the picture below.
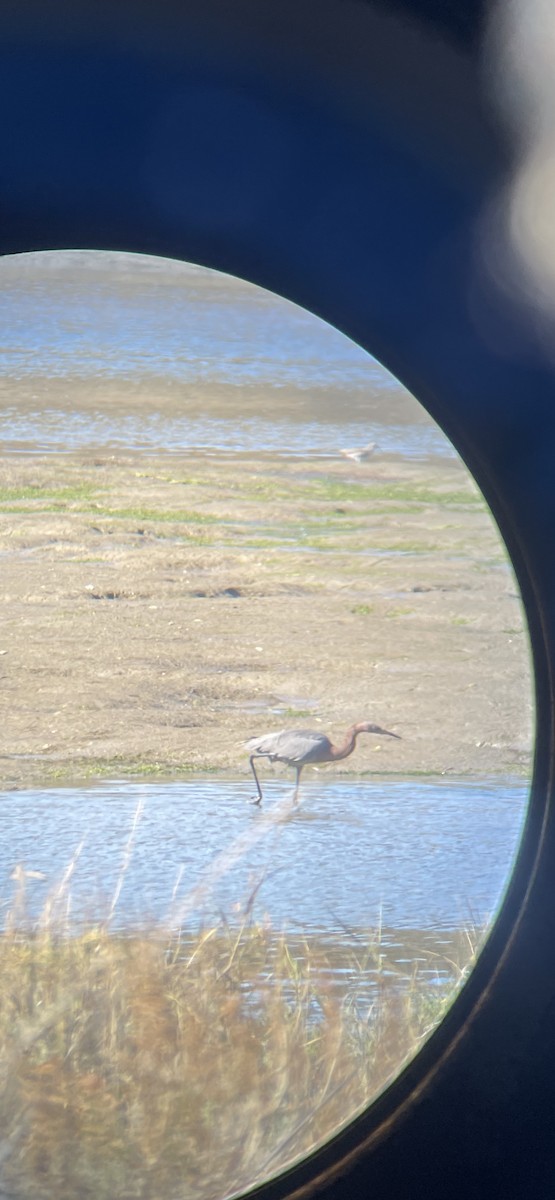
(211, 362)
(77, 314)
(430, 854)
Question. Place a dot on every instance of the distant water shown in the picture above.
(72, 316)
(421, 854)
(49, 431)
(247, 370)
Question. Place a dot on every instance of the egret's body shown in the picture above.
(299, 747)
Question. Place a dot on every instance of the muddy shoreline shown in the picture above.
(157, 611)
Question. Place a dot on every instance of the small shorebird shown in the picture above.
(361, 453)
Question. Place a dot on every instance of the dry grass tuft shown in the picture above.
(159, 1064)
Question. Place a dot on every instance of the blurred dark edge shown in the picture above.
(348, 156)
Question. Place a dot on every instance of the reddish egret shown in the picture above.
(297, 747)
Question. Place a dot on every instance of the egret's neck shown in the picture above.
(345, 747)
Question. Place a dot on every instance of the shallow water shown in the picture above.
(122, 315)
(355, 853)
(229, 367)
(49, 430)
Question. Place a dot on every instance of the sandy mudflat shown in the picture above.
(156, 611)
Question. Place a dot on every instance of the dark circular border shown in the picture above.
(344, 155)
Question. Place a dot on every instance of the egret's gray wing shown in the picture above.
(291, 745)
(263, 744)
(306, 745)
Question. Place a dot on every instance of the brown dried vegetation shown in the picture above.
(157, 1064)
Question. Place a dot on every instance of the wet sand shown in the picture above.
(157, 611)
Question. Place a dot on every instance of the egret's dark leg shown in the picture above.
(258, 788)
(297, 782)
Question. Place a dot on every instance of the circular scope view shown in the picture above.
(267, 728)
